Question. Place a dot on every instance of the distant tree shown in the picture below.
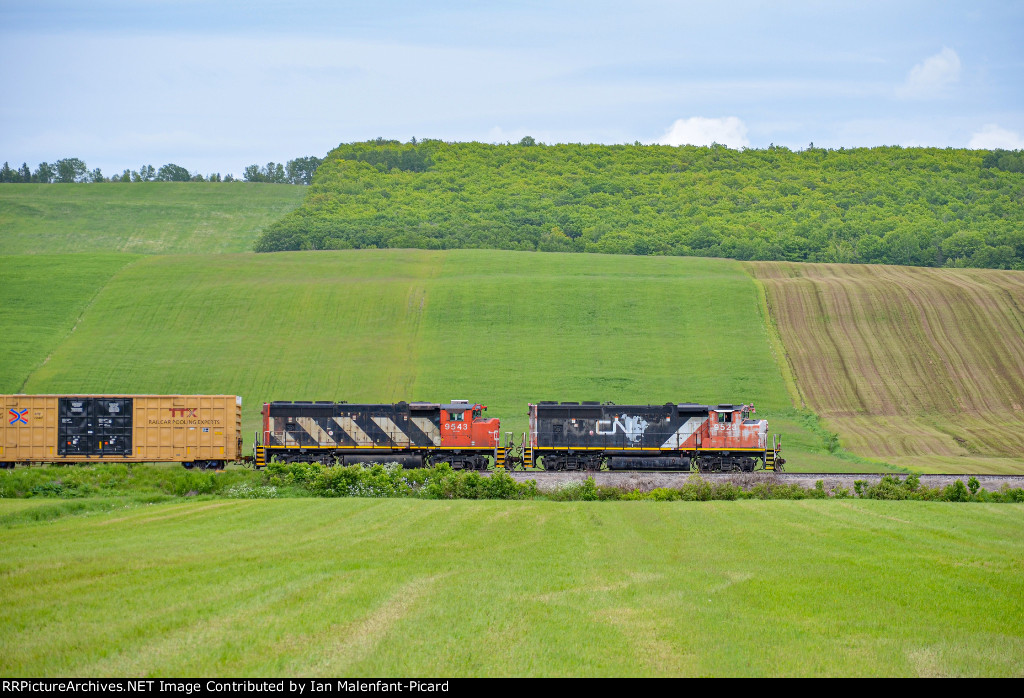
(70, 170)
(44, 173)
(172, 173)
(1006, 160)
(24, 174)
(6, 174)
(274, 173)
(126, 176)
(252, 174)
(146, 174)
(301, 170)
(229, 177)
(214, 177)
(95, 176)
(963, 244)
(527, 141)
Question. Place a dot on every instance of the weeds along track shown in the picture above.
(904, 361)
(646, 481)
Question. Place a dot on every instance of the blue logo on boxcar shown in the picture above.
(17, 416)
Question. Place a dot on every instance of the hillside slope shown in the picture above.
(42, 298)
(503, 328)
(144, 217)
(920, 367)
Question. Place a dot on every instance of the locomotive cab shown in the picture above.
(730, 427)
(463, 426)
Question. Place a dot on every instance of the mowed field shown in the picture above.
(143, 217)
(361, 587)
(919, 367)
(503, 328)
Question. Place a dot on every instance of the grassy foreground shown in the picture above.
(382, 587)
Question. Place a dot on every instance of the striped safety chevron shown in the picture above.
(432, 430)
(359, 431)
(688, 429)
(354, 431)
(396, 435)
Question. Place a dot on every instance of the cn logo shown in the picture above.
(182, 411)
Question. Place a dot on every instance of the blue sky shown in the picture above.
(214, 86)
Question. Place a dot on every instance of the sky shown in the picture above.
(215, 86)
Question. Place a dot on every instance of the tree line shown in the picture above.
(892, 205)
(74, 170)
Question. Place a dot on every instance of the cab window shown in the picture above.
(456, 416)
(724, 417)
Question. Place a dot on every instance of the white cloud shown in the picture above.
(699, 130)
(992, 136)
(933, 75)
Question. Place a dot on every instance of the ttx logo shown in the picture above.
(182, 411)
(17, 416)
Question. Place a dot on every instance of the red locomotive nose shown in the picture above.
(486, 432)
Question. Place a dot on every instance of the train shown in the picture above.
(205, 431)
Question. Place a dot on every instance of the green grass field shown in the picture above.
(145, 217)
(42, 298)
(485, 588)
(503, 328)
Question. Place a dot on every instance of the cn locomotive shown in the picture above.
(411, 433)
(561, 436)
(673, 436)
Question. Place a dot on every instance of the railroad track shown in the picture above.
(647, 480)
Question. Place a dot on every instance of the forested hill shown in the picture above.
(916, 206)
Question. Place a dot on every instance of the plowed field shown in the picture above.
(920, 367)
